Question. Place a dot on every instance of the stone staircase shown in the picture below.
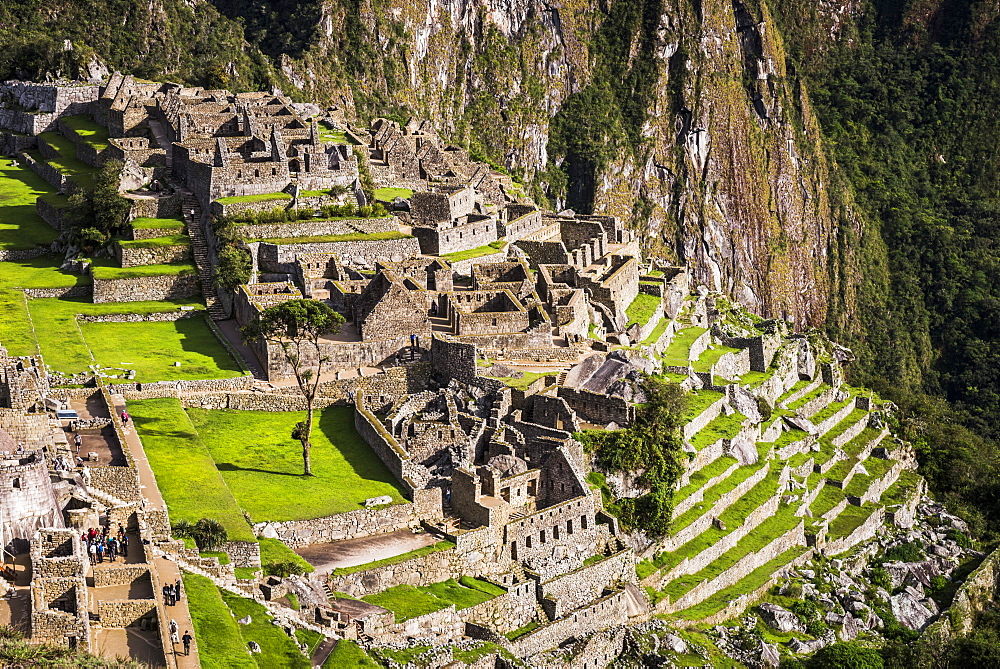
(195, 220)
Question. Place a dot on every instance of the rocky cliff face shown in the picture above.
(677, 114)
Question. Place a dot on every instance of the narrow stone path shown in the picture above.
(352, 552)
(163, 570)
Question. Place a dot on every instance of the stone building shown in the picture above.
(27, 499)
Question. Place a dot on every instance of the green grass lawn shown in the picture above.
(106, 270)
(220, 644)
(264, 197)
(152, 348)
(349, 654)
(642, 309)
(407, 601)
(657, 332)
(156, 242)
(185, 473)
(676, 354)
(92, 133)
(350, 237)
(157, 224)
(262, 464)
(389, 194)
(274, 550)
(20, 226)
(488, 249)
(277, 649)
(523, 382)
(15, 327)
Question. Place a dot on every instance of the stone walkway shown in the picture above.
(352, 552)
(164, 570)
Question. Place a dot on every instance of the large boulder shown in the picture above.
(780, 618)
(806, 360)
(909, 611)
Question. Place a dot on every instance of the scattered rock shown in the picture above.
(909, 611)
(675, 643)
(780, 618)
(254, 646)
(244, 621)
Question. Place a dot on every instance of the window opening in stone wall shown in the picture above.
(16, 483)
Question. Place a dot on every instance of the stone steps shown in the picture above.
(195, 220)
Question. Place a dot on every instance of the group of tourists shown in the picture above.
(102, 544)
(172, 593)
(187, 638)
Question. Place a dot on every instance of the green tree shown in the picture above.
(209, 534)
(297, 327)
(233, 267)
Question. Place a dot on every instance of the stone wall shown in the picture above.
(117, 614)
(583, 585)
(155, 317)
(507, 612)
(122, 575)
(162, 206)
(51, 214)
(863, 532)
(146, 288)
(598, 408)
(464, 267)
(54, 177)
(313, 228)
(424, 570)
(281, 258)
(59, 293)
(349, 525)
(243, 553)
(119, 482)
(606, 612)
(236, 209)
(135, 256)
(454, 359)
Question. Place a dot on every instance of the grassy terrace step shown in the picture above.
(713, 494)
(107, 272)
(855, 446)
(657, 332)
(754, 580)
(246, 199)
(642, 309)
(849, 520)
(754, 379)
(808, 397)
(840, 470)
(732, 518)
(697, 402)
(389, 194)
(67, 162)
(488, 249)
(897, 493)
(762, 535)
(723, 427)
(157, 224)
(848, 422)
(20, 225)
(676, 355)
(876, 468)
(711, 356)
(156, 242)
(92, 133)
(789, 437)
(706, 473)
(829, 497)
(829, 410)
(791, 391)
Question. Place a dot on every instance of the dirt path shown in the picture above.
(352, 552)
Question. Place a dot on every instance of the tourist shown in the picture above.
(173, 628)
(177, 590)
(78, 440)
(187, 642)
(112, 549)
(124, 418)
(100, 552)
(124, 542)
(168, 595)
(93, 553)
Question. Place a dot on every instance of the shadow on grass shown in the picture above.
(197, 337)
(230, 467)
(337, 423)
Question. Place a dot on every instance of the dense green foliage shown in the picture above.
(17, 651)
(95, 214)
(172, 39)
(652, 445)
(907, 98)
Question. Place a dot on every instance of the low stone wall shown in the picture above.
(9, 255)
(829, 423)
(254, 401)
(130, 391)
(242, 208)
(699, 494)
(424, 570)
(47, 172)
(350, 525)
(243, 553)
(123, 575)
(133, 256)
(51, 214)
(12, 143)
(863, 532)
(814, 406)
(710, 413)
(156, 317)
(117, 614)
(165, 206)
(538, 354)
(146, 288)
(119, 482)
(60, 293)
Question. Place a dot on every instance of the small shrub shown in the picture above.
(880, 577)
(959, 537)
(907, 552)
(283, 569)
(938, 583)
